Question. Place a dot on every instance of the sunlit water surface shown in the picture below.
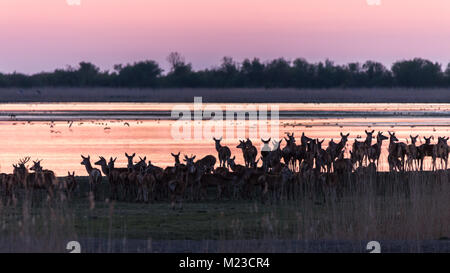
(59, 133)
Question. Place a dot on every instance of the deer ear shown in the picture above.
(133, 154)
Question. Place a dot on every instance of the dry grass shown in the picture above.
(410, 206)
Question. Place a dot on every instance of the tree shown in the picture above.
(181, 74)
(253, 72)
(376, 74)
(417, 73)
(140, 74)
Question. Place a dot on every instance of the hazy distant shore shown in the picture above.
(376, 95)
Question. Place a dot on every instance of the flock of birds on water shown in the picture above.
(276, 172)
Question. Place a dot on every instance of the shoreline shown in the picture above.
(235, 95)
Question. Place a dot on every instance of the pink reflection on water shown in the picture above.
(61, 146)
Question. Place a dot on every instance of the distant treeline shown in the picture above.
(279, 73)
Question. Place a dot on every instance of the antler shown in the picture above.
(24, 160)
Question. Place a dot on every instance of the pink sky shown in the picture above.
(37, 35)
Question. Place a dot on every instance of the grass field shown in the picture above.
(411, 206)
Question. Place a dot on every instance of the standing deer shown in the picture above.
(249, 152)
(106, 171)
(273, 159)
(70, 184)
(95, 176)
(265, 150)
(117, 174)
(224, 152)
(49, 179)
(301, 152)
(289, 150)
(323, 159)
(192, 176)
(20, 173)
(335, 149)
(374, 151)
(441, 151)
(425, 150)
(130, 161)
(397, 152)
(412, 153)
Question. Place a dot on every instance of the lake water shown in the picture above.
(59, 132)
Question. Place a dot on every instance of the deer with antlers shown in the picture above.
(95, 176)
(20, 173)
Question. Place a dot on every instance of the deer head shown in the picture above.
(413, 139)
(86, 160)
(36, 166)
(241, 145)
(231, 161)
(176, 157)
(344, 138)
(190, 163)
(101, 162)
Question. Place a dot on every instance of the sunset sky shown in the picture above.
(41, 35)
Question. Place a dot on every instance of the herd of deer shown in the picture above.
(38, 179)
(281, 169)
